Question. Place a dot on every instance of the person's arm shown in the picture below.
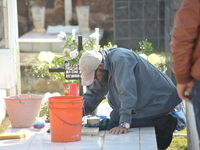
(184, 91)
(96, 92)
(183, 37)
(125, 84)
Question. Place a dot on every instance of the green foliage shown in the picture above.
(146, 51)
(145, 47)
(41, 68)
(45, 112)
(161, 64)
(110, 45)
(71, 45)
(178, 143)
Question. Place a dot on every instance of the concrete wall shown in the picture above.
(2, 105)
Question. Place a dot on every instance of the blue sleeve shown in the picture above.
(95, 93)
(124, 78)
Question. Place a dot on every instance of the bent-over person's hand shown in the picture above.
(118, 130)
(182, 90)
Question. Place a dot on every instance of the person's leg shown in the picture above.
(196, 104)
(164, 127)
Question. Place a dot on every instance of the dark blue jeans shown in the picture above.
(196, 104)
(179, 113)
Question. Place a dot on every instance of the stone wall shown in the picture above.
(101, 13)
(33, 84)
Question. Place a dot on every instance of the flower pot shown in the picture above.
(23, 109)
(71, 89)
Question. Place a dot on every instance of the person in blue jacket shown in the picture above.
(139, 94)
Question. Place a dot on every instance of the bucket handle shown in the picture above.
(63, 120)
(67, 102)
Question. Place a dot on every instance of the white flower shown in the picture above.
(45, 99)
(42, 56)
(56, 94)
(153, 58)
(49, 57)
(46, 56)
(73, 54)
(61, 35)
(47, 95)
(94, 35)
(143, 56)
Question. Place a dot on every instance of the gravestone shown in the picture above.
(83, 13)
(38, 14)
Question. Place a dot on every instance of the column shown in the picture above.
(68, 11)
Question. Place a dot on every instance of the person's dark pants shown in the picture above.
(164, 127)
(196, 104)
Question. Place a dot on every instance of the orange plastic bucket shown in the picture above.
(71, 89)
(65, 118)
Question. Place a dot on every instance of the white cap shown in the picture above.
(88, 63)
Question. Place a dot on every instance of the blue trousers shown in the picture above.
(196, 104)
(179, 113)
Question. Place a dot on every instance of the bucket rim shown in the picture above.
(65, 97)
(29, 96)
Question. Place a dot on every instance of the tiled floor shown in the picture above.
(135, 139)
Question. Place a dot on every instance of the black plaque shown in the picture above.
(72, 72)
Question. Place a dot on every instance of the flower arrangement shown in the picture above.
(70, 46)
(70, 53)
(43, 63)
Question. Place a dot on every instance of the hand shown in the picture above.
(118, 130)
(182, 90)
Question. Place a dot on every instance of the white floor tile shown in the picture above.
(135, 139)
